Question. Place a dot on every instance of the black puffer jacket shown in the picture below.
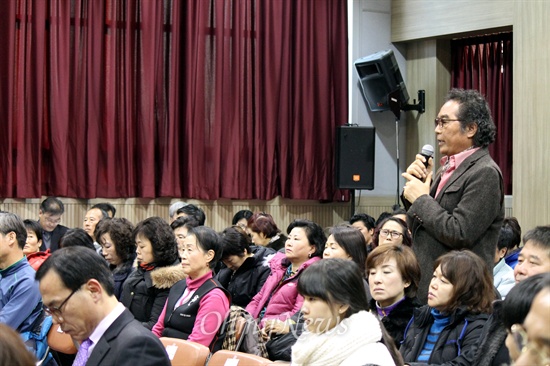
(492, 349)
(144, 293)
(396, 322)
(457, 343)
(248, 280)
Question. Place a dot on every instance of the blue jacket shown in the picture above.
(20, 299)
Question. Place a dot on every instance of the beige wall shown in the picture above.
(426, 26)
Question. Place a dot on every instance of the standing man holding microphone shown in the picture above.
(463, 206)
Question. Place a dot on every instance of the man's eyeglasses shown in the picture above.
(394, 234)
(442, 122)
(57, 310)
(523, 345)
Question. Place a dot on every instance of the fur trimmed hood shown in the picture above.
(166, 277)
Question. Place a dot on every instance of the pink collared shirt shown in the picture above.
(104, 325)
(454, 162)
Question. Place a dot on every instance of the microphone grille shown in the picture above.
(427, 150)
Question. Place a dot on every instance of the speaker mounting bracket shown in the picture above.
(396, 106)
(420, 106)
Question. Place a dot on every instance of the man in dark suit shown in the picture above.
(463, 207)
(77, 290)
(49, 217)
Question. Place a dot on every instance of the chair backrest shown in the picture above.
(60, 341)
(237, 358)
(185, 353)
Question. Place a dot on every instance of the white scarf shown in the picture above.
(334, 346)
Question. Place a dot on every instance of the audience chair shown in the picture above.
(185, 353)
(237, 358)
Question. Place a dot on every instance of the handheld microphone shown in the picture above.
(427, 152)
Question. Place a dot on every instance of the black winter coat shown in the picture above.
(144, 293)
(457, 343)
(396, 322)
(492, 349)
(248, 280)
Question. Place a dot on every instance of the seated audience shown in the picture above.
(496, 343)
(399, 212)
(20, 301)
(247, 266)
(145, 290)
(107, 207)
(447, 330)
(366, 225)
(179, 227)
(392, 230)
(264, 232)
(49, 218)
(173, 210)
(118, 248)
(534, 339)
(92, 217)
(197, 306)
(279, 298)
(77, 238)
(33, 244)
(77, 289)
(346, 242)
(12, 349)
(535, 255)
(241, 219)
(190, 210)
(339, 330)
(503, 274)
(511, 234)
(394, 274)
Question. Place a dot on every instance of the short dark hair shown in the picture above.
(367, 220)
(353, 242)
(207, 239)
(77, 238)
(242, 214)
(407, 239)
(511, 224)
(335, 281)
(262, 222)
(161, 236)
(11, 222)
(474, 109)
(107, 207)
(53, 206)
(398, 210)
(120, 230)
(188, 221)
(471, 279)
(76, 266)
(406, 261)
(35, 227)
(235, 242)
(539, 237)
(517, 303)
(192, 210)
(384, 215)
(314, 232)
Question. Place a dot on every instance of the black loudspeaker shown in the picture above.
(379, 75)
(355, 157)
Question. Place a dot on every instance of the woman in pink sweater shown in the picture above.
(279, 299)
(197, 306)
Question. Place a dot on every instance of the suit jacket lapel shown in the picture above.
(462, 168)
(103, 346)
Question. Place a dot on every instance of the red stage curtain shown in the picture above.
(485, 64)
(203, 99)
